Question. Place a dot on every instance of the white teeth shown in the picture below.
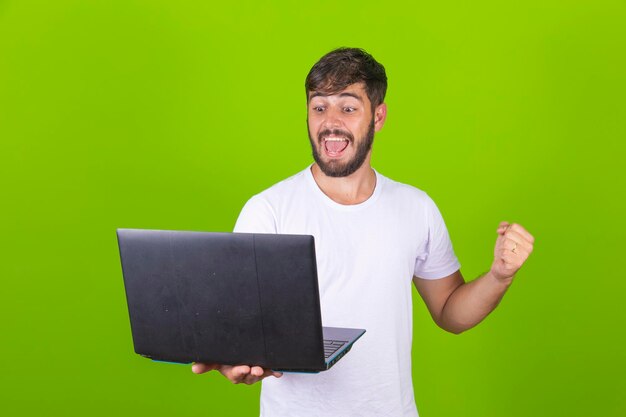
(335, 139)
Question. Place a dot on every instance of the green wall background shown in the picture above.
(157, 114)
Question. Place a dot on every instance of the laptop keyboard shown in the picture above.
(332, 346)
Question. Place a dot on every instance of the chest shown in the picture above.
(381, 238)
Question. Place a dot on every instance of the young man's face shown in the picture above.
(341, 129)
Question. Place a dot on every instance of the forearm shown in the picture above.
(471, 302)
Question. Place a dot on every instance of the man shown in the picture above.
(373, 238)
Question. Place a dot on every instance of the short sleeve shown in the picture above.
(439, 261)
(257, 216)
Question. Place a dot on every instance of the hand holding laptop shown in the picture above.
(237, 374)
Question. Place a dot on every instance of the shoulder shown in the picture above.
(283, 189)
(400, 192)
(261, 211)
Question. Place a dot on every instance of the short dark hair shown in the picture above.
(345, 66)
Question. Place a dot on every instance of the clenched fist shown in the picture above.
(513, 246)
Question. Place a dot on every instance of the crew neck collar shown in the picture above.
(345, 207)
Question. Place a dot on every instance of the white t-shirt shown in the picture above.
(367, 255)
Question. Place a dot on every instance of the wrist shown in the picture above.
(499, 279)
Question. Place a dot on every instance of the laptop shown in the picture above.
(228, 298)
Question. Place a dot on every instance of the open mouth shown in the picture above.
(334, 146)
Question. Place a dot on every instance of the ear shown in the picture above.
(380, 115)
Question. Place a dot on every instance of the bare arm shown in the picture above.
(457, 306)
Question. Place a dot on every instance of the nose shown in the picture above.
(333, 119)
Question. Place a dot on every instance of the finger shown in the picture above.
(513, 260)
(253, 378)
(502, 227)
(269, 372)
(235, 374)
(514, 241)
(241, 371)
(520, 229)
(257, 371)
(510, 247)
(200, 368)
(264, 373)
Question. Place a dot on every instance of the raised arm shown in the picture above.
(457, 306)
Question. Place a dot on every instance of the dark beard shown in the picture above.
(338, 169)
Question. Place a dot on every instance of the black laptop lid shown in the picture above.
(229, 298)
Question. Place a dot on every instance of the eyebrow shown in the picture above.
(345, 94)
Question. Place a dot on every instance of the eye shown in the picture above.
(349, 109)
(318, 109)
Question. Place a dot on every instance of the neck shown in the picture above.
(353, 189)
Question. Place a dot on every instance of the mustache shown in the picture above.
(335, 132)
